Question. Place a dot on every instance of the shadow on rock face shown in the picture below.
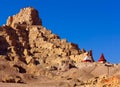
(20, 69)
(3, 46)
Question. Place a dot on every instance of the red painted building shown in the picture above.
(102, 59)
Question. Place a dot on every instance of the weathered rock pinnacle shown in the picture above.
(26, 16)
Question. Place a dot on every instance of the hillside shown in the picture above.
(32, 55)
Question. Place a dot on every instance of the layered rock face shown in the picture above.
(28, 50)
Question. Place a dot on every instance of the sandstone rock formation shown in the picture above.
(28, 51)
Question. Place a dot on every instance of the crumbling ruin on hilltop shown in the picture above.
(24, 41)
(28, 50)
(25, 37)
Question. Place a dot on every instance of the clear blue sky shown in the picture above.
(92, 24)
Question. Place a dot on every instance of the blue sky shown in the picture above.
(92, 24)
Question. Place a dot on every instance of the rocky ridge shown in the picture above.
(29, 51)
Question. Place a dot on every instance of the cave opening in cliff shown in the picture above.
(3, 46)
